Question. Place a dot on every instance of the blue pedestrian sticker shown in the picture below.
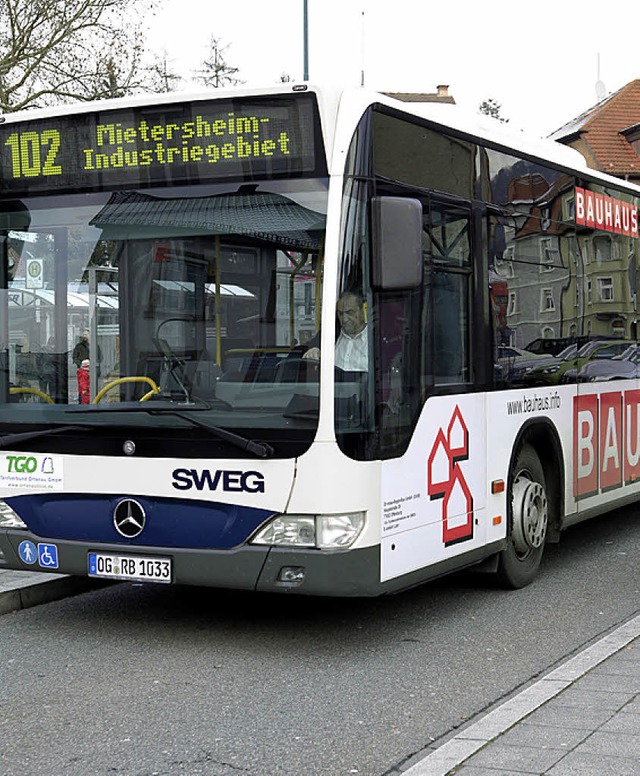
(48, 556)
(27, 552)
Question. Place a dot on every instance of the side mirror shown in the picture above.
(397, 243)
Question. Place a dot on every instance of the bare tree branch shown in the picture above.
(161, 77)
(62, 50)
(215, 70)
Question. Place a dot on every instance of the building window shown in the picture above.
(616, 249)
(504, 265)
(618, 328)
(512, 309)
(549, 256)
(570, 209)
(602, 247)
(547, 303)
(632, 274)
(605, 289)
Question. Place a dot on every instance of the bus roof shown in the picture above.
(492, 132)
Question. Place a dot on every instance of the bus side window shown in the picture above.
(446, 310)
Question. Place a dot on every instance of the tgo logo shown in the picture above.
(445, 480)
(22, 463)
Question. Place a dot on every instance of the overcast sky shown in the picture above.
(539, 60)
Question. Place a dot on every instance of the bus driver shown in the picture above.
(352, 345)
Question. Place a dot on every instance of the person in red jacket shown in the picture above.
(83, 382)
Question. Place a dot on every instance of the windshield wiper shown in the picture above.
(259, 449)
(25, 436)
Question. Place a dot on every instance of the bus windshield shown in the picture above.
(156, 260)
(191, 296)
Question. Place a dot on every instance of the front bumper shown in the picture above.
(339, 573)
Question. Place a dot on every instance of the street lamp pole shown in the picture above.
(305, 76)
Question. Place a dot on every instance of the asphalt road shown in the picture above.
(138, 680)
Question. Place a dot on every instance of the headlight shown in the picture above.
(322, 532)
(8, 518)
(550, 370)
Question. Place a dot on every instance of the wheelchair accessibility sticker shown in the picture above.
(48, 556)
(45, 554)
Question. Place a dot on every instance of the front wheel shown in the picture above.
(528, 505)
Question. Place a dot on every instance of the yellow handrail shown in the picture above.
(33, 391)
(121, 380)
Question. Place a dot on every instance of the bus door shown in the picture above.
(447, 304)
(456, 368)
(435, 492)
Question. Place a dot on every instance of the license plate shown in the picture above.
(129, 567)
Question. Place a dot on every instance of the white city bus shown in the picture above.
(203, 244)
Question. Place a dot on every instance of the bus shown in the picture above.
(199, 245)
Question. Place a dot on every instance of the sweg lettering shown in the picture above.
(228, 481)
(606, 441)
(22, 463)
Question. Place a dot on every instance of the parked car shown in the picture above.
(513, 354)
(626, 366)
(510, 359)
(518, 375)
(552, 346)
(552, 374)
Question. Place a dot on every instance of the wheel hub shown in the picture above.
(530, 515)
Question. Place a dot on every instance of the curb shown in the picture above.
(23, 589)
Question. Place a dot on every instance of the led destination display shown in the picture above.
(155, 145)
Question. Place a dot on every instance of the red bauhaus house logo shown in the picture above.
(446, 481)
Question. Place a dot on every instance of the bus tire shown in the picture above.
(528, 508)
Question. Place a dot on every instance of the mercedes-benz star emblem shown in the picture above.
(129, 518)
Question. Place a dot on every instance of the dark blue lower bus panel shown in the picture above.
(165, 522)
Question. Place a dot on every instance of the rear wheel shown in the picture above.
(528, 507)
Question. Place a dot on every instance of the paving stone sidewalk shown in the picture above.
(582, 719)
